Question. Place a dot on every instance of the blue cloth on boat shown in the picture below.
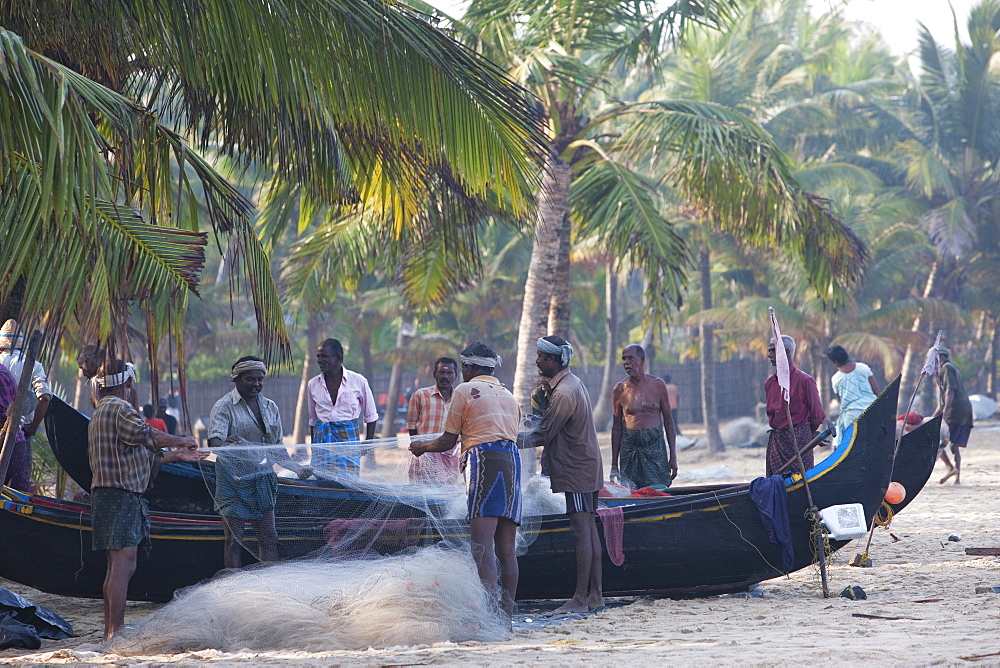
(336, 432)
(768, 494)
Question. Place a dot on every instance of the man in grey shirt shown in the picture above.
(574, 465)
(246, 487)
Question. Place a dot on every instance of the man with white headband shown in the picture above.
(642, 414)
(246, 487)
(33, 409)
(124, 452)
(488, 418)
(574, 465)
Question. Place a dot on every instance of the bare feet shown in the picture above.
(572, 605)
(948, 476)
(595, 601)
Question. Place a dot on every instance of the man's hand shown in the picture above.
(419, 447)
(235, 440)
(305, 472)
(192, 454)
(29, 430)
(188, 443)
(615, 476)
(672, 467)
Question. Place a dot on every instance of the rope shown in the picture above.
(742, 537)
(886, 519)
(818, 535)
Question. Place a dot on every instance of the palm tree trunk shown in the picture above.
(406, 332)
(538, 287)
(709, 410)
(559, 304)
(301, 427)
(602, 411)
(78, 393)
(910, 361)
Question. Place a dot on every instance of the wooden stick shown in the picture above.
(809, 446)
(13, 424)
(983, 551)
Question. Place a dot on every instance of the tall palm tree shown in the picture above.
(949, 156)
(360, 104)
(611, 158)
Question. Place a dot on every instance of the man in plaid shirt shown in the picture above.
(425, 414)
(124, 455)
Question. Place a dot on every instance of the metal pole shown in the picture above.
(13, 424)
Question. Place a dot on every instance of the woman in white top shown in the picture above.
(853, 384)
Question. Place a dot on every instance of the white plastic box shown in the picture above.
(845, 521)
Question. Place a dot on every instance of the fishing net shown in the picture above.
(366, 556)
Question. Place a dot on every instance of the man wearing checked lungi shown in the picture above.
(124, 455)
(337, 398)
(487, 418)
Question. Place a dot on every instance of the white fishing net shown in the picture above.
(366, 557)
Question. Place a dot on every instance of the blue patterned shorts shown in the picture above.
(493, 480)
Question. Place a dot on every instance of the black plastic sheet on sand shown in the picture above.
(24, 625)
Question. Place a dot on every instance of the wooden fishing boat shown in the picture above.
(700, 541)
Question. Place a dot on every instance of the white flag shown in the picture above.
(933, 363)
(780, 358)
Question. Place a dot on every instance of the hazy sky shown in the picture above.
(895, 19)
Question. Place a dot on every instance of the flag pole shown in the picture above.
(812, 513)
(931, 367)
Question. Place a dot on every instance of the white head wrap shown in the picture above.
(565, 352)
(9, 335)
(116, 379)
(487, 362)
(249, 365)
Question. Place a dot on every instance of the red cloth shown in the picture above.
(804, 401)
(648, 491)
(613, 521)
(157, 423)
(363, 536)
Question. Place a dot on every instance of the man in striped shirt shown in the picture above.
(124, 455)
(425, 415)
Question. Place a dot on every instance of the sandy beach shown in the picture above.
(922, 608)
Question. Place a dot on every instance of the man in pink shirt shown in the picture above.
(425, 415)
(805, 406)
(337, 398)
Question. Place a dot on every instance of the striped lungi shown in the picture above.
(336, 432)
(493, 480)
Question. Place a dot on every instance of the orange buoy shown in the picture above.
(896, 493)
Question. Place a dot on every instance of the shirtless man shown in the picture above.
(674, 394)
(641, 417)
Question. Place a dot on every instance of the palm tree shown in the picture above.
(611, 159)
(949, 156)
(359, 104)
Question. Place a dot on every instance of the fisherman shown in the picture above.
(855, 387)
(641, 417)
(33, 407)
(337, 398)
(674, 394)
(123, 455)
(246, 487)
(487, 418)
(806, 409)
(956, 408)
(574, 465)
(425, 415)
(168, 419)
(89, 359)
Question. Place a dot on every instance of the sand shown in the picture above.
(923, 582)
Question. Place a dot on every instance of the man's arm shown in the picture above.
(413, 413)
(617, 422)
(369, 430)
(181, 448)
(312, 410)
(668, 428)
(41, 408)
(816, 412)
(558, 413)
(442, 443)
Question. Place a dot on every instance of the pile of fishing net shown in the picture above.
(424, 595)
(388, 560)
